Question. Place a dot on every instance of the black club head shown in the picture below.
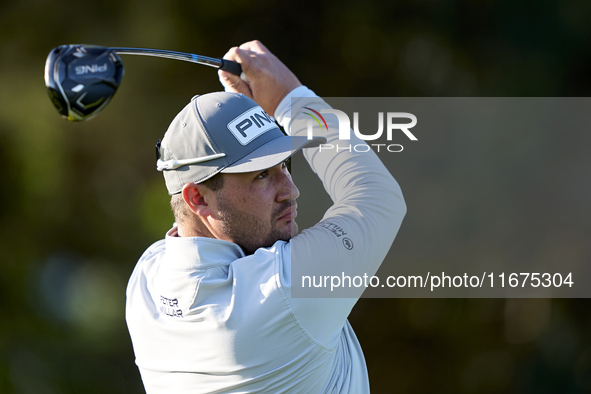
(81, 79)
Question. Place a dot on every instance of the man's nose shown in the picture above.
(289, 190)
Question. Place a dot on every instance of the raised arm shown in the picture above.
(355, 234)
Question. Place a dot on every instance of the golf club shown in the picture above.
(82, 79)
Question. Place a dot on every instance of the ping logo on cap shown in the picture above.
(250, 125)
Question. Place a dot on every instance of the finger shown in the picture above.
(254, 46)
(231, 54)
(233, 83)
(241, 56)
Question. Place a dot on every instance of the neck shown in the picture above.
(194, 230)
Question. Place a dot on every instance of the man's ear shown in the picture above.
(195, 200)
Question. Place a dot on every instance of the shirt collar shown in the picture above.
(198, 252)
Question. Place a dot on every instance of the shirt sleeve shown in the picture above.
(356, 232)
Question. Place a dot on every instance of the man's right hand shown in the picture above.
(268, 80)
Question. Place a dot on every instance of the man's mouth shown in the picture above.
(290, 213)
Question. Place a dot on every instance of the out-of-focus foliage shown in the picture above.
(80, 202)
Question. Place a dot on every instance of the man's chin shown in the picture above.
(287, 233)
(293, 229)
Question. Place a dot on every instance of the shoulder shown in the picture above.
(278, 248)
(156, 248)
(150, 255)
(147, 261)
(277, 256)
(266, 265)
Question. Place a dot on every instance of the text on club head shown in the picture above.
(90, 69)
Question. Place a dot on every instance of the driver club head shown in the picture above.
(82, 79)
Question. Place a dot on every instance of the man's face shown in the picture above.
(256, 209)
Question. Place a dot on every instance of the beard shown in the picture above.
(250, 231)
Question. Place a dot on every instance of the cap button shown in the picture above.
(218, 104)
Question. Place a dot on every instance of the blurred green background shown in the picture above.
(80, 202)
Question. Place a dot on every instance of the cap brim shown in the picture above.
(273, 153)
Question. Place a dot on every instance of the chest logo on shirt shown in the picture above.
(170, 307)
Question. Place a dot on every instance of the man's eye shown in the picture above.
(262, 175)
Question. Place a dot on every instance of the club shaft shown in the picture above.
(187, 57)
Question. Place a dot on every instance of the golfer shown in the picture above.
(209, 308)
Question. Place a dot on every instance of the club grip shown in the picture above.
(231, 67)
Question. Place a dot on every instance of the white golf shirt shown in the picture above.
(205, 318)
